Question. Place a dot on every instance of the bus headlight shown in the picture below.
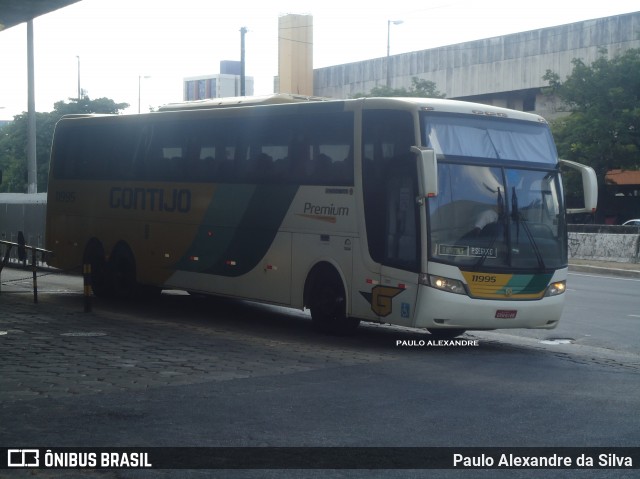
(444, 284)
(556, 288)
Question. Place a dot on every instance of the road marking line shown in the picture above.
(604, 276)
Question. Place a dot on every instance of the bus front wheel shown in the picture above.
(328, 304)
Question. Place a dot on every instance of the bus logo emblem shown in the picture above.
(381, 299)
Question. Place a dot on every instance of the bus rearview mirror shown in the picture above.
(427, 171)
(589, 186)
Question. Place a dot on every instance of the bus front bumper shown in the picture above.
(462, 312)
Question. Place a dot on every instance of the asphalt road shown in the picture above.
(602, 311)
(187, 371)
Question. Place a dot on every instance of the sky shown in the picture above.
(140, 50)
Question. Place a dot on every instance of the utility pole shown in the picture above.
(243, 32)
(32, 168)
(140, 77)
(389, 22)
(79, 89)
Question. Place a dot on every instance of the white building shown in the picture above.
(220, 85)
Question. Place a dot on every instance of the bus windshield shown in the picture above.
(489, 138)
(491, 213)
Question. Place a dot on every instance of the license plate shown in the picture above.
(506, 314)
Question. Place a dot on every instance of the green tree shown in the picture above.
(419, 88)
(13, 140)
(602, 128)
(86, 105)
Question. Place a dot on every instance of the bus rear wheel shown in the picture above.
(328, 305)
(95, 258)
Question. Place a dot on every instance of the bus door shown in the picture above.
(391, 213)
(397, 292)
(392, 222)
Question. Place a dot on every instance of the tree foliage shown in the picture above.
(419, 88)
(603, 127)
(13, 140)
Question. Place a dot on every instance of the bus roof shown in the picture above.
(427, 104)
(455, 106)
(409, 103)
(239, 101)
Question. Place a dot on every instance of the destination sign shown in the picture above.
(460, 250)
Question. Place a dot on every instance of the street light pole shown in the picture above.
(79, 89)
(243, 91)
(32, 166)
(389, 22)
(140, 77)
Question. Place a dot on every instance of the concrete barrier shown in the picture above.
(605, 243)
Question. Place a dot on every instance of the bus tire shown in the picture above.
(94, 257)
(122, 266)
(446, 333)
(327, 302)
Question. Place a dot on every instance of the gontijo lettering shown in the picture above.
(150, 199)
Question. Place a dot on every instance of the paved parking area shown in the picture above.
(55, 349)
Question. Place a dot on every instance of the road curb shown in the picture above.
(604, 270)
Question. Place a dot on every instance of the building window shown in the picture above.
(529, 102)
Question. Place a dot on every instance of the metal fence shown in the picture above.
(26, 213)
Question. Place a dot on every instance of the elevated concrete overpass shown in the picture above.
(503, 71)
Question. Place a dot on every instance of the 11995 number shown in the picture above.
(483, 278)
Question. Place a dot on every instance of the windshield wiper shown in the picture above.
(518, 218)
(501, 218)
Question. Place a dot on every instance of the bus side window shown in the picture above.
(331, 141)
(206, 165)
(142, 152)
(98, 145)
(66, 150)
(226, 158)
(167, 155)
(120, 163)
(89, 145)
(215, 143)
(299, 158)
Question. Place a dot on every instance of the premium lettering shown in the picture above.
(325, 210)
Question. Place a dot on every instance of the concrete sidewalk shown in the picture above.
(614, 268)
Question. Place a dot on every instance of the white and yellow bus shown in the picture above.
(424, 213)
